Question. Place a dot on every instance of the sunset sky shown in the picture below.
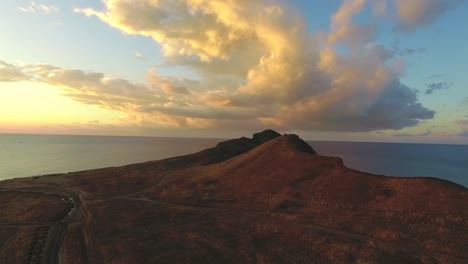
(360, 70)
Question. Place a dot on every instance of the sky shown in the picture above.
(350, 70)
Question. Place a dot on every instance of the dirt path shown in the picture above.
(7, 242)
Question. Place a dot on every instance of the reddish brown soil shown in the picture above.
(264, 200)
(24, 207)
(16, 245)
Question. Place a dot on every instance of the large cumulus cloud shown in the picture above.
(257, 64)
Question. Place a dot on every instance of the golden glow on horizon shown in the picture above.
(33, 104)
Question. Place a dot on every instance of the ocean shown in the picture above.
(449, 162)
(27, 155)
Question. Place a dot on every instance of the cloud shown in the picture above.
(463, 124)
(34, 7)
(140, 56)
(395, 108)
(87, 87)
(94, 122)
(9, 73)
(423, 134)
(431, 88)
(465, 101)
(210, 36)
(256, 65)
(409, 51)
(419, 13)
(344, 31)
(166, 85)
(165, 102)
(408, 16)
(161, 102)
(435, 76)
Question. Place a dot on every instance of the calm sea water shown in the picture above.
(449, 162)
(26, 155)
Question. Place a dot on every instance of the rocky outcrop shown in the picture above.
(235, 147)
(300, 144)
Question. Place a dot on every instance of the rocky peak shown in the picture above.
(265, 136)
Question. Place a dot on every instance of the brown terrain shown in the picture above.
(269, 199)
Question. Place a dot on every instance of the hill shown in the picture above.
(268, 199)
